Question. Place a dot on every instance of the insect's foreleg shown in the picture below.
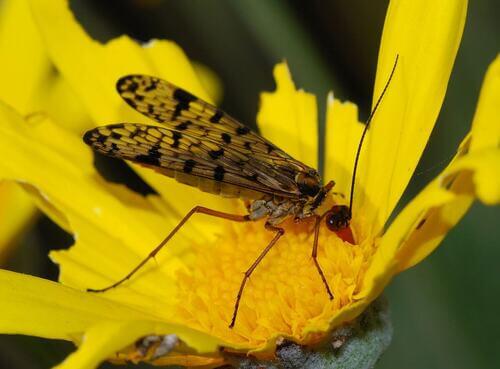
(315, 256)
(279, 232)
(195, 210)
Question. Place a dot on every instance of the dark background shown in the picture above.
(445, 309)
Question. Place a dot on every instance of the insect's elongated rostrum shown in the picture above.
(200, 145)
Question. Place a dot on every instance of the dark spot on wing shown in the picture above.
(152, 86)
(182, 126)
(179, 108)
(242, 131)
(146, 159)
(131, 103)
(88, 138)
(189, 165)
(217, 116)
(154, 153)
(183, 96)
(114, 148)
(247, 145)
(176, 136)
(215, 154)
(219, 172)
(226, 138)
(133, 86)
(115, 135)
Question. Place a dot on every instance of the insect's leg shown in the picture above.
(279, 232)
(195, 210)
(315, 256)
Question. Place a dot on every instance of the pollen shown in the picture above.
(285, 293)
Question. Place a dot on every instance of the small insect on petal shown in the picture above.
(200, 145)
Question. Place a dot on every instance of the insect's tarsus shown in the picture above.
(356, 160)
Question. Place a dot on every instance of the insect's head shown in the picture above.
(338, 220)
(309, 182)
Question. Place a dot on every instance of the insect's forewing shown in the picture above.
(197, 140)
(192, 160)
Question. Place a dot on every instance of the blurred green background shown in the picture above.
(445, 310)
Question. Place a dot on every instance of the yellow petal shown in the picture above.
(102, 341)
(426, 35)
(473, 175)
(63, 105)
(288, 118)
(343, 131)
(16, 211)
(485, 126)
(103, 327)
(59, 312)
(24, 65)
(210, 81)
(92, 70)
(29, 80)
(114, 227)
(426, 220)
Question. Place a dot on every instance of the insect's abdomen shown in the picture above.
(214, 187)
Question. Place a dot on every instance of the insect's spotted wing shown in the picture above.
(199, 144)
(182, 112)
(191, 160)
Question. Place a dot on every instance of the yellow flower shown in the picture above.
(29, 84)
(190, 291)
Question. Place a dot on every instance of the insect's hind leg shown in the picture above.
(152, 254)
(278, 233)
(315, 256)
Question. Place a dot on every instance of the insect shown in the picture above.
(200, 145)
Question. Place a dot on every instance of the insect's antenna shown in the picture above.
(356, 160)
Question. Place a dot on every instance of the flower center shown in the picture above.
(284, 294)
